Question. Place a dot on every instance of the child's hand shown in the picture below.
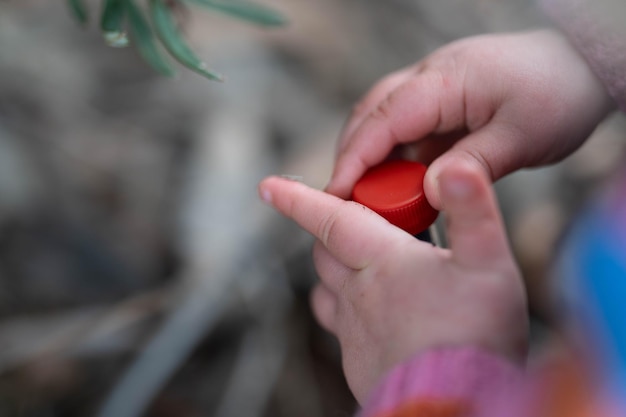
(510, 101)
(387, 295)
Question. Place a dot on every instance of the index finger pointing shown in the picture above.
(351, 232)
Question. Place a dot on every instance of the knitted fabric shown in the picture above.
(454, 382)
(597, 29)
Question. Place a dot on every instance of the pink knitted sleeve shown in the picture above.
(453, 382)
(597, 28)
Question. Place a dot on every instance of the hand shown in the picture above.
(503, 102)
(387, 295)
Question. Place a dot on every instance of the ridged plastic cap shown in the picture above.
(395, 190)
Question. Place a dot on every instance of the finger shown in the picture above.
(495, 148)
(475, 229)
(324, 307)
(422, 105)
(351, 232)
(369, 102)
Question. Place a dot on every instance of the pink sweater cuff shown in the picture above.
(596, 29)
(449, 382)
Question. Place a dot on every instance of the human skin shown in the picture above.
(388, 296)
(502, 102)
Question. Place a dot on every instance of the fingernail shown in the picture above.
(266, 195)
(458, 188)
(297, 178)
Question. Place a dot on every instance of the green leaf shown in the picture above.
(112, 23)
(172, 40)
(251, 12)
(78, 10)
(145, 40)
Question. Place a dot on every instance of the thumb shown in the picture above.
(474, 226)
(495, 149)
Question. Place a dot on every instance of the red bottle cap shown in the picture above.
(395, 190)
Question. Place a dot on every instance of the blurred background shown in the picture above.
(139, 273)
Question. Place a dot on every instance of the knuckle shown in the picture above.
(383, 110)
(327, 227)
(475, 156)
(384, 113)
(333, 229)
(290, 207)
